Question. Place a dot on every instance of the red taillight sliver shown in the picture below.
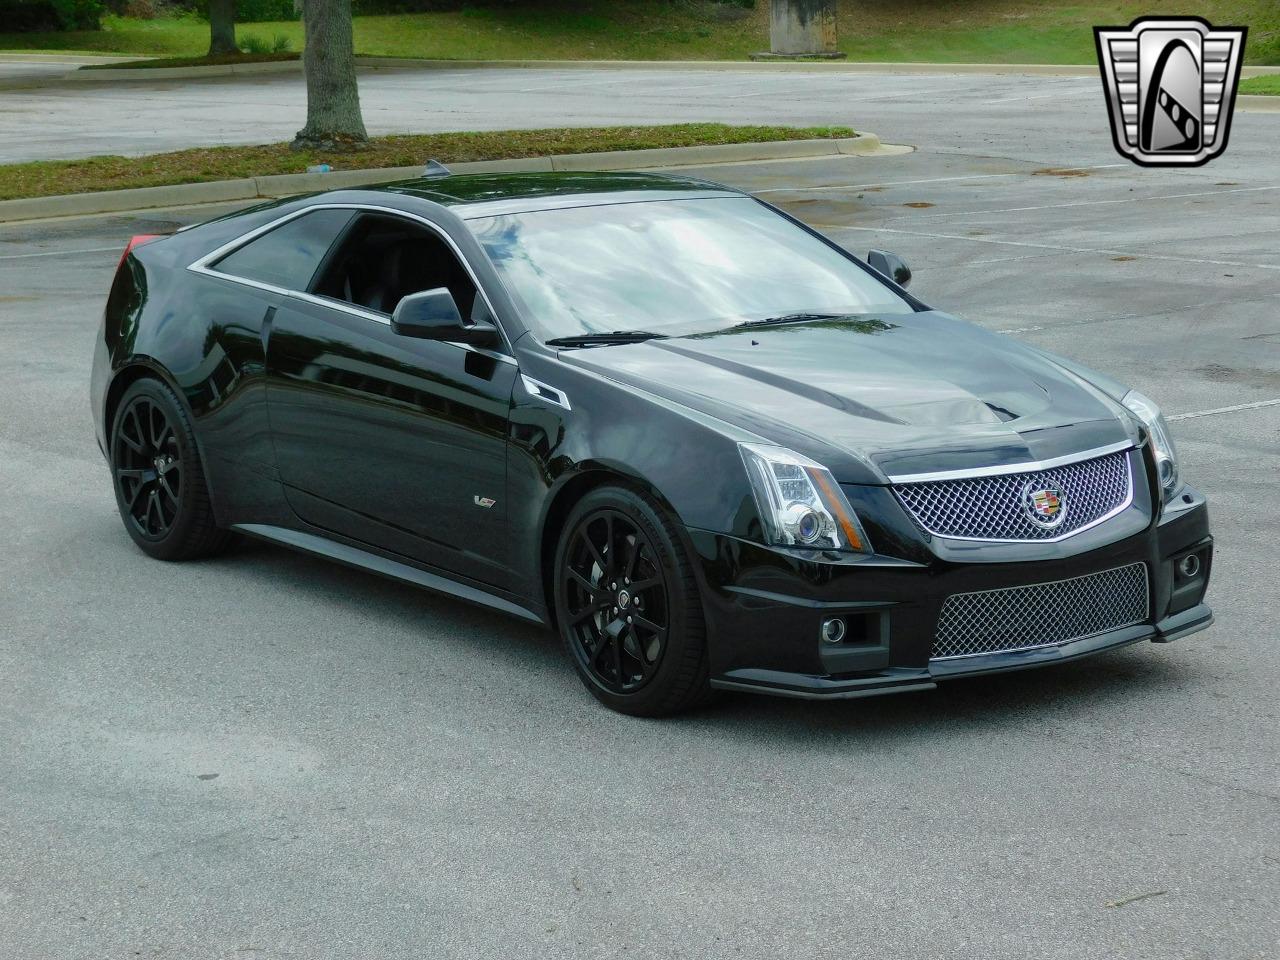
(137, 241)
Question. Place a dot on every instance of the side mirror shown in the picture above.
(891, 265)
(433, 315)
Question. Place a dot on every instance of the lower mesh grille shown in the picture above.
(1041, 614)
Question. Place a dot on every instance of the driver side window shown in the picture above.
(384, 258)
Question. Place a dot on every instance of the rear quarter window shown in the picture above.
(289, 255)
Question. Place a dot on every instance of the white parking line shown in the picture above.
(912, 183)
(1080, 203)
(1062, 248)
(60, 253)
(1045, 96)
(1235, 408)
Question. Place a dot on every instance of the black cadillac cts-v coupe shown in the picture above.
(709, 446)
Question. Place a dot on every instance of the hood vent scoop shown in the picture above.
(1001, 412)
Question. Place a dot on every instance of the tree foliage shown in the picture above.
(26, 16)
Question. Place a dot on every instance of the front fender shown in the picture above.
(606, 429)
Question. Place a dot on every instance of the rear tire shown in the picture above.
(628, 606)
(159, 481)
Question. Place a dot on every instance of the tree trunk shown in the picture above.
(222, 26)
(333, 101)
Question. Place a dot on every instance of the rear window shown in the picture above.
(289, 255)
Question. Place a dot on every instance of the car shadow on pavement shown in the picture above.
(1054, 696)
(1063, 694)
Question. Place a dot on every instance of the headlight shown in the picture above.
(800, 503)
(1161, 440)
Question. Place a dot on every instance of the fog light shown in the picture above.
(833, 630)
(1189, 566)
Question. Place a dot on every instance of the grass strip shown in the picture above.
(202, 164)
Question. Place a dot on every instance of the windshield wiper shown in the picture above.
(792, 318)
(605, 339)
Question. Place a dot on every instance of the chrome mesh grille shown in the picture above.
(994, 508)
(1041, 614)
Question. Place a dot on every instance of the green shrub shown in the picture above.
(254, 11)
(250, 43)
(25, 16)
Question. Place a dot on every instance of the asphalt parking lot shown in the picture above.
(268, 756)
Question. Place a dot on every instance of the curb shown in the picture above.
(65, 57)
(288, 184)
(406, 63)
(1258, 103)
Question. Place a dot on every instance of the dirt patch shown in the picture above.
(918, 204)
(1061, 172)
(1124, 259)
(1220, 373)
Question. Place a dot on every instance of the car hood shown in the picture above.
(875, 397)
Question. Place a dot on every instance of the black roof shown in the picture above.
(484, 195)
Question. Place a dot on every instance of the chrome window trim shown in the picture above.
(1028, 467)
(203, 267)
(1120, 508)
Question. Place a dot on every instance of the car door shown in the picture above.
(392, 441)
(237, 294)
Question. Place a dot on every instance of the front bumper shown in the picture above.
(765, 608)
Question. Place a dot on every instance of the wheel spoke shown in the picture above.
(588, 611)
(610, 546)
(158, 427)
(633, 558)
(642, 653)
(153, 505)
(645, 624)
(592, 590)
(617, 659)
(162, 482)
(602, 644)
(133, 498)
(594, 551)
(136, 443)
(646, 584)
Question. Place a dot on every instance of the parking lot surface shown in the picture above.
(268, 756)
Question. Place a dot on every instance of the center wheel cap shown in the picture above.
(624, 599)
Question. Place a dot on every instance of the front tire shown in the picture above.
(159, 481)
(627, 605)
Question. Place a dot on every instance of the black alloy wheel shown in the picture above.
(627, 605)
(148, 468)
(159, 483)
(617, 602)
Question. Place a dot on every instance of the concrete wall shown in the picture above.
(802, 26)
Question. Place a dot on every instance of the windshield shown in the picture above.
(671, 267)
